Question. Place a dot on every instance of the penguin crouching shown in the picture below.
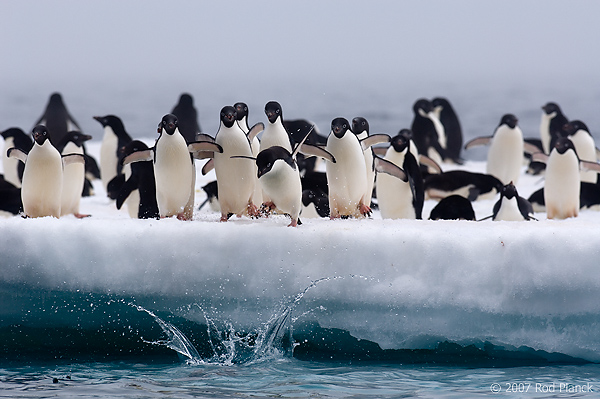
(512, 207)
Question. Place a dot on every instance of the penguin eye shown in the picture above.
(344, 126)
(277, 111)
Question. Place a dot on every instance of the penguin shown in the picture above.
(10, 197)
(13, 169)
(298, 128)
(449, 120)
(242, 120)
(551, 125)
(585, 146)
(360, 127)
(73, 174)
(400, 199)
(562, 186)
(428, 132)
(453, 207)
(470, 185)
(275, 132)
(115, 137)
(212, 196)
(43, 175)
(347, 178)
(512, 207)
(142, 181)
(187, 117)
(235, 176)
(536, 199)
(315, 204)
(505, 156)
(57, 119)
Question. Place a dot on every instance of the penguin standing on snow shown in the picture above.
(73, 174)
(187, 116)
(275, 133)
(505, 156)
(360, 127)
(13, 169)
(400, 199)
(43, 176)
(141, 181)
(428, 132)
(585, 146)
(242, 120)
(115, 137)
(57, 119)
(512, 207)
(454, 140)
(551, 125)
(347, 178)
(235, 176)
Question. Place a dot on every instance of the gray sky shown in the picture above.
(253, 51)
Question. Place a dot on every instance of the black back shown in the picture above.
(455, 179)
(57, 118)
(10, 197)
(319, 199)
(187, 115)
(557, 123)
(453, 207)
(449, 120)
(424, 133)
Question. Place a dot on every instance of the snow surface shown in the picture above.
(396, 282)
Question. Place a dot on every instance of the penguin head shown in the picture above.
(77, 137)
(273, 111)
(186, 100)
(40, 134)
(241, 109)
(228, 116)
(359, 125)
(422, 107)
(551, 108)
(112, 121)
(509, 191)
(339, 127)
(56, 100)
(131, 147)
(509, 120)
(169, 124)
(563, 144)
(440, 102)
(573, 127)
(266, 159)
(402, 141)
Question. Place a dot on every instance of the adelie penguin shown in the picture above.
(141, 181)
(57, 119)
(279, 177)
(512, 207)
(115, 137)
(505, 156)
(551, 125)
(187, 117)
(585, 146)
(400, 199)
(73, 174)
(448, 118)
(428, 132)
(360, 127)
(470, 185)
(562, 185)
(347, 178)
(43, 176)
(453, 207)
(242, 120)
(13, 169)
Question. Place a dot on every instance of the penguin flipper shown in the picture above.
(383, 166)
(203, 154)
(69, 159)
(380, 151)
(530, 148)
(539, 157)
(210, 165)
(313, 150)
(374, 139)
(127, 188)
(588, 166)
(255, 130)
(426, 161)
(204, 146)
(17, 154)
(204, 137)
(478, 141)
(139, 156)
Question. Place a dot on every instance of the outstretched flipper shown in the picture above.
(539, 157)
(374, 139)
(17, 154)
(255, 130)
(588, 166)
(426, 161)
(204, 146)
(478, 141)
(383, 166)
(138, 156)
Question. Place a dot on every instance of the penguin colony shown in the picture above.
(270, 168)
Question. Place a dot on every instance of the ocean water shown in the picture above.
(63, 341)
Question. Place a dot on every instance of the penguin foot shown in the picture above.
(294, 223)
(365, 210)
(253, 211)
(266, 209)
(183, 216)
(81, 215)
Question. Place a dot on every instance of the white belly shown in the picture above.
(586, 151)
(509, 211)
(393, 195)
(282, 185)
(346, 178)
(273, 135)
(173, 174)
(505, 157)
(108, 156)
(73, 180)
(42, 182)
(562, 187)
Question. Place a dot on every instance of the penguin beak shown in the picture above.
(272, 116)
